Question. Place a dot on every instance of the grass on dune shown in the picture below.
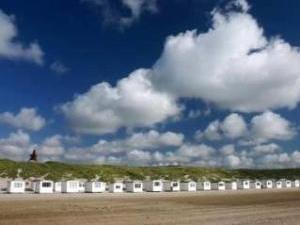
(58, 171)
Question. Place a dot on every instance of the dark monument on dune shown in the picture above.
(33, 156)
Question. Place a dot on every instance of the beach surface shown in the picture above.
(260, 207)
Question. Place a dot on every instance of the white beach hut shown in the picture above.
(188, 186)
(116, 187)
(16, 186)
(287, 183)
(134, 186)
(244, 184)
(81, 186)
(204, 186)
(70, 186)
(43, 186)
(268, 184)
(232, 185)
(221, 186)
(296, 183)
(57, 186)
(153, 185)
(95, 187)
(171, 186)
(278, 184)
(256, 184)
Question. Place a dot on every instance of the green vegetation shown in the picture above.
(57, 171)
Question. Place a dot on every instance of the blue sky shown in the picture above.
(151, 82)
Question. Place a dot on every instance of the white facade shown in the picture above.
(231, 185)
(257, 184)
(296, 183)
(95, 187)
(244, 184)
(188, 186)
(116, 187)
(221, 186)
(134, 186)
(278, 184)
(57, 187)
(287, 184)
(43, 186)
(153, 185)
(81, 186)
(171, 186)
(267, 184)
(70, 186)
(16, 186)
(204, 186)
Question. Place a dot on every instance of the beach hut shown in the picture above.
(256, 184)
(153, 185)
(188, 186)
(232, 185)
(244, 184)
(268, 184)
(3, 184)
(171, 186)
(296, 183)
(57, 187)
(16, 186)
(81, 186)
(116, 187)
(221, 186)
(95, 187)
(134, 186)
(287, 183)
(70, 186)
(204, 186)
(278, 184)
(43, 186)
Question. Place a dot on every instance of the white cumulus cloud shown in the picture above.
(133, 102)
(269, 125)
(10, 48)
(233, 65)
(27, 118)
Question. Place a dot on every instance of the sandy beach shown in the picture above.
(212, 208)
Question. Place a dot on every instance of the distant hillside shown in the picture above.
(57, 171)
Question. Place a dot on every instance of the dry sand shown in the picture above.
(276, 207)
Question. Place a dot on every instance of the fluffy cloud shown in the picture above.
(27, 118)
(212, 132)
(269, 125)
(52, 148)
(232, 161)
(16, 146)
(153, 139)
(266, 149)
(10, 48)
(133, 102)
(59, 68)
(139, 157)
(227, 150)
(195, 151)
(233, 65)
(262, 128)
(143, 141)
(233, 126)
(112, 16)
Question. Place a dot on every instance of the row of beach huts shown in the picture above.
(77, 186)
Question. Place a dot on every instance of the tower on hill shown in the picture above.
(33, 156)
